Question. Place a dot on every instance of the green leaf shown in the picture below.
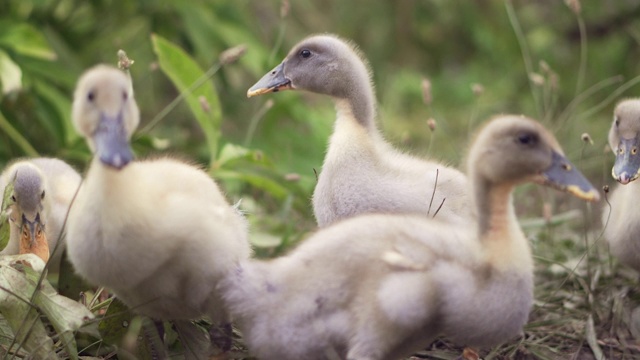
(59, 112)
(5, 225)
(10, 74)
(22, 317)
(25, 39)
(17, 137)
(192, 82)
(66, 315)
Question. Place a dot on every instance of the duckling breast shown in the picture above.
(484, 307)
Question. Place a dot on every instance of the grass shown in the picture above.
(584, 299)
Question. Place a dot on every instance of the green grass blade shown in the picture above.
(191, 81)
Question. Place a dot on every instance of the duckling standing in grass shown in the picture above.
(158, 233)
(43, 189)
(414, 278)
(622, 224)
(362, 173)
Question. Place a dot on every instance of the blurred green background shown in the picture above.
(565, 64)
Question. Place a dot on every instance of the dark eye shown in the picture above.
(91, 96)
(616, 120)
(42, 195)
(527, 139)
(13, 198)
(125, 96)
(305, 53)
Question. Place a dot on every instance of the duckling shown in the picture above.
(362, 173)
(43, 189)
(158, 233)
(414, 278)
(622, 223)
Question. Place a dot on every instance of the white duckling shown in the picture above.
(361, 172)
(414, 278)
(158, 233)
(43, 189)
(622, 224)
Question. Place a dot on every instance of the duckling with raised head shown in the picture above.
(362, 173)
(158, 233)
(414, 278)
(43, 189)
(622, 223)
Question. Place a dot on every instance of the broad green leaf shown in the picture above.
(191, 81)
(66, 315)
(5, 225)
(15, 135)
(193, 338)
(59, 112)
(10, 74)
(25, 39)
(23, 318)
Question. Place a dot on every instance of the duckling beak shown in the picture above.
(273, 81)
(627, 166)
(112, 142)
(33, 238)
(562, 175)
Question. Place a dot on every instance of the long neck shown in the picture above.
(494, 207)
(358, 99)
(499, 232)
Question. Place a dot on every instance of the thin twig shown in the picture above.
(433, 193)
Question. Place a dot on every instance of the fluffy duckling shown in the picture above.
(158, 233)
(622, 224)
(43, 189)
(361, 172)
(414, 278)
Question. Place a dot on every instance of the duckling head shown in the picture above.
(624, 140)
(28, 208)
(323, 64)
(105, 113)
(515, 149)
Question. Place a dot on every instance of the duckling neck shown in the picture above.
(495, 210)
(358, 104)
(499, 231)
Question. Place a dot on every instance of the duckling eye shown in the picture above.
(91, 96)
(125, 96)
(13, 198)
(305, 53)
(527, 139)
(616, 120)
(42, 195)
(634, 150)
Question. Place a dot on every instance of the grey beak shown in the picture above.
(112, 142)
(32, 227)
(273, 81)
(564, 176)
(627, 165)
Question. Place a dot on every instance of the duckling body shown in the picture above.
(414, 278)
(622, 224)
(362, 173)
(43, 191)
(158, 233)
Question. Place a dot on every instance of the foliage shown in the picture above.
(558, 63)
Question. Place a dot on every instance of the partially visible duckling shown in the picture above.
(43, 189)
(362, 173)
(622, 224)
(413, 278)
(159, 233)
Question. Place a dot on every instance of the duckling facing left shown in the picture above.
(43, 189)
(362, 173)
(622, 224)
(158, 233)
(414, 278)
